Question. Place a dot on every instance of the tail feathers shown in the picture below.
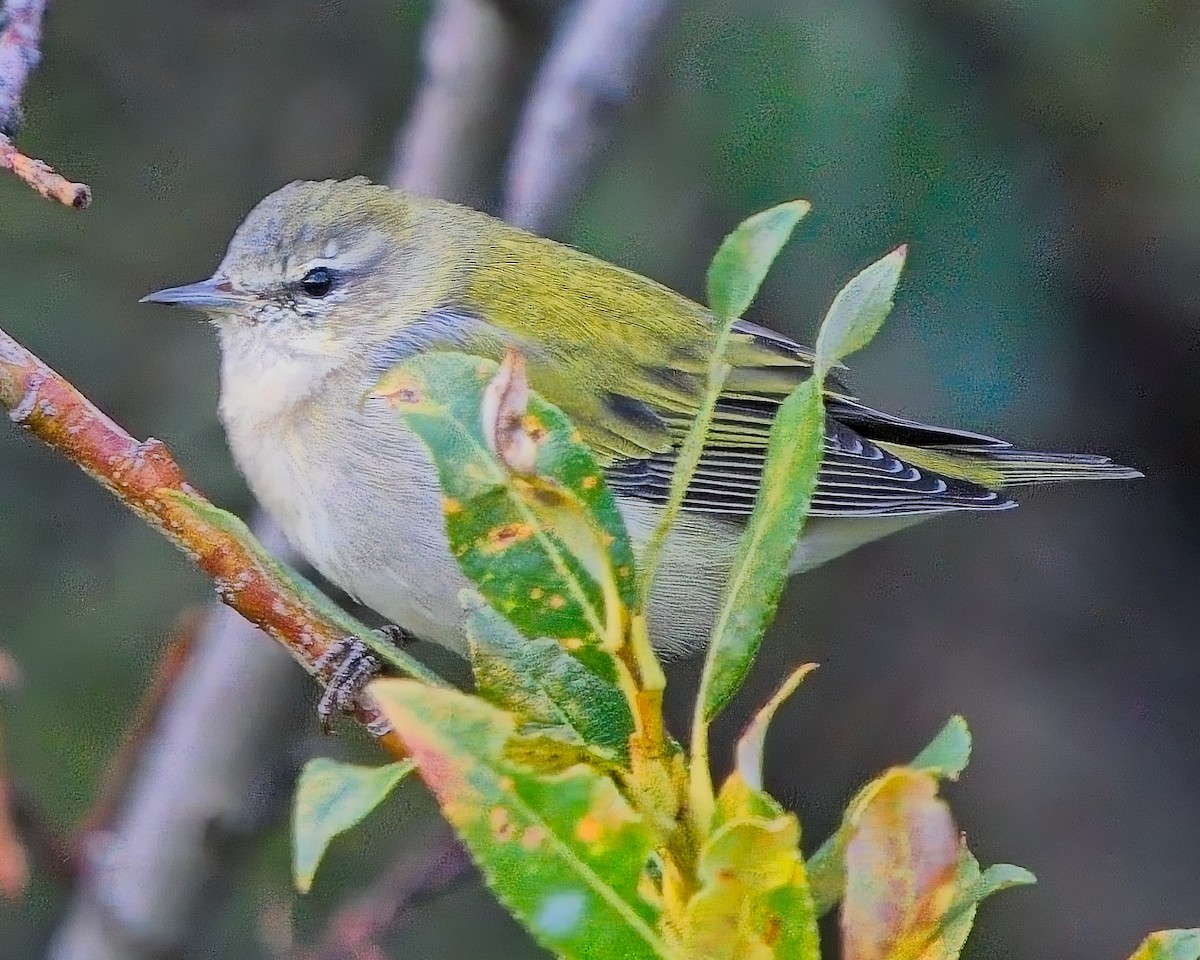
(1000, 467)
(1017, 467)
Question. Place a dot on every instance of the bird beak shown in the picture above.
(213, 294)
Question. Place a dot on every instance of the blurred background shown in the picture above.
(1041, 161)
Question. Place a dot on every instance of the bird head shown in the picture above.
(316, 269)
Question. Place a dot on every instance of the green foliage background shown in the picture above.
(1039, 159)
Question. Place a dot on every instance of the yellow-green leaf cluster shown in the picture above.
(587, 820)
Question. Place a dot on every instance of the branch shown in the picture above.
(143, 892)
(423, 871)
(119, 774)
(147, 479)
(14, 865)
(592, 70)
(145, 895)
(478, 59)
(20, 38)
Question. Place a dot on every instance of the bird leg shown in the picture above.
(350, 666)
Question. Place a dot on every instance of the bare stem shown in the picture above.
(20, 40)
(147, 479)
(593, 69)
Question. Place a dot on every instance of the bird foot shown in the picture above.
(349, 666)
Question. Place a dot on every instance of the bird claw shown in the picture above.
(350, 666)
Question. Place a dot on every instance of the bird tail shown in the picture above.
(999, 467)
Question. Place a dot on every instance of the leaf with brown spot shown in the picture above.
(468, 412)
(544, 686)
(753, 901)
(565, 852)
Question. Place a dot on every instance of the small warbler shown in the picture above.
(327, 285)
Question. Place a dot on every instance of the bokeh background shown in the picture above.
(1040, 158)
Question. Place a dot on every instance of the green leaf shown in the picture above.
(1002, 876)
(858, 311)
(948, 752)
(946, 755)
(543, 685)
(970, 889)
(332, 797)
(960, 918)
(548, 549)
(734, 276)
(760, 568)
(741, 262)
(304, 591)
(564, 852)
(1170, 945)
(749, 753)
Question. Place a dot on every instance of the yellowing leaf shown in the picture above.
(737, 800)
(753, 900)
(1170, 945)
(748, 758)
(945, 755)
(901, 860)
(332, 797)
(564, 852)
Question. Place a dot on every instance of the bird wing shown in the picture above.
(858, 477)
(627, 359)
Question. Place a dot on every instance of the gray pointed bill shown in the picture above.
(213, 294)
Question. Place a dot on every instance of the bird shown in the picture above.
(327, 285)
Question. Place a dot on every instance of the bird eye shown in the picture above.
(317, 282)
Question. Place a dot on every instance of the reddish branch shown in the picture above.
(14, 866)
(20, 38)
(359, 928)
(167, 671)
(146, 478)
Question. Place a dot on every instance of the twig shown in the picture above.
(148, 480)
(141, 728)
(50, 851)
(437, 864)
(20, 40)
(14, 865)
(10, 674)
(478, 59)
(592, 70)
(43, 177)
